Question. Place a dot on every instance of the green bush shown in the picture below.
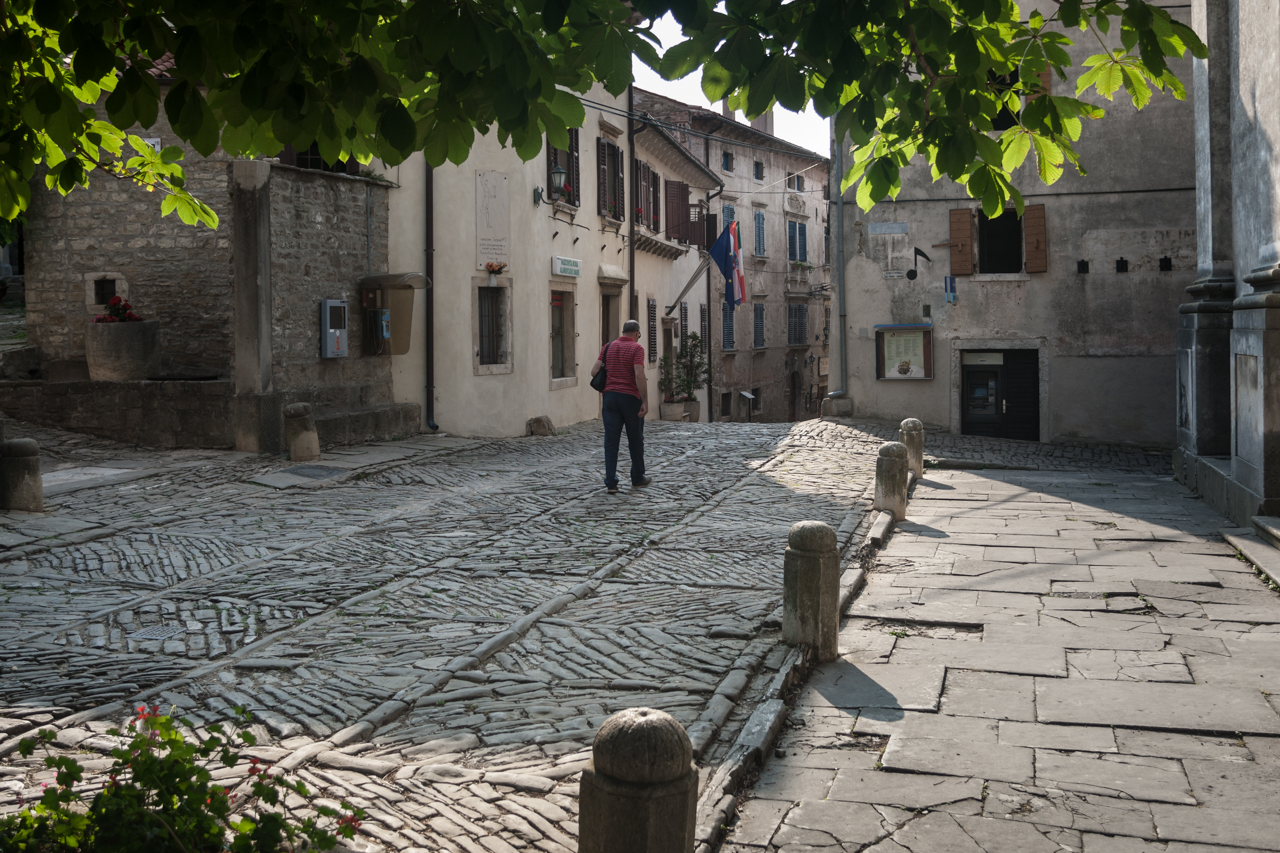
(160, 798)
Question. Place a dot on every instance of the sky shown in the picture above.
(807, 129)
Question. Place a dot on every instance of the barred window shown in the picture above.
(684, 320)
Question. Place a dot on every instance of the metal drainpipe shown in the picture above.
(627, 173)
(838, 199)
(429, 267)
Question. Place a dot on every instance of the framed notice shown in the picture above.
(904, 352)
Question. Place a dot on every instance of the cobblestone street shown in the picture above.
(433, 633)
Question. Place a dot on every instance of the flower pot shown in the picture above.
(122, 352)
(688, 412)
(493, 279)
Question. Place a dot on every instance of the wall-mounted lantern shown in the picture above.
(557, 187)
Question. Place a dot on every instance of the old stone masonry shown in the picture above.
(431, 629)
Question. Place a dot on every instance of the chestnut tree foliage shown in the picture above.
(384, 78)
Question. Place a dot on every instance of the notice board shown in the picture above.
(904, 352)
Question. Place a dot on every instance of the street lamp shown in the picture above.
(557, 187)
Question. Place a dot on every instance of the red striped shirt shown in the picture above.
(624, 354)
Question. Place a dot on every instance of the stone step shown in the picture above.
(1256, 550)
(1268, 527)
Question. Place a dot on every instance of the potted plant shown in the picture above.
(120, 346)
(680, 379)
(494, 268)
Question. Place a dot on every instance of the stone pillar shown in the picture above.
(257, 410)
(1204, 324)
(639, 793)
(811, 589)
(911, 435)
(1254, 487)
(891, 480)
(20, 485)
(300, 433)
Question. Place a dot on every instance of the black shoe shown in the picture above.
(646, 481)
(613, 490)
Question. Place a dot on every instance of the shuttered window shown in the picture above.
(570, 161)
(704, 327)
(643, 175)
(655, 203)
(727, 330)
(611, 170)
(760, 232)
(653, 330)
(726, 161)
(961, 242)
(791, 240)
(802, 241)
(492, 326)
(1036, 236)
(684, 320)
(797, 325)
(727, 211)
(758, 341)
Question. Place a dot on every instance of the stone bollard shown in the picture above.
(911, 434)
(300, 433)
(639, 793)
(811, 589)
(20, 485)
(891, 480)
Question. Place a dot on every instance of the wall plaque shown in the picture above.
(493, 219)
(904, 352)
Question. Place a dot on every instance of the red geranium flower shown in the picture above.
(115, 300)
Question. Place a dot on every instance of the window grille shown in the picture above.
(491, 326)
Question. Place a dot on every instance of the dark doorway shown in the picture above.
(1000, 394)
(796, 381)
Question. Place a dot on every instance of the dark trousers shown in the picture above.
(622, 410)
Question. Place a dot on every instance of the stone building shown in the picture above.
(1053, 326)
(238, 308)
(768, 357)
(1228, 405)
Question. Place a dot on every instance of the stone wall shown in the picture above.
(170, 271)
(328, 231)
(153, 414)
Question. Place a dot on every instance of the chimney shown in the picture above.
(764, 123)
(727, 111)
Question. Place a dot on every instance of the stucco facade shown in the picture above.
(781, 359)
(1099, 265)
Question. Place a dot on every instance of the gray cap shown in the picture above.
(631, 326)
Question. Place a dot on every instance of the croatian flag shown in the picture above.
(726, 251)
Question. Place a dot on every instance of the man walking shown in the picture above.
(626, 402)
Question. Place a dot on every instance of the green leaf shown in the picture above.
(1017, 144)
(569, 108)
(716, 81)
(397, 128)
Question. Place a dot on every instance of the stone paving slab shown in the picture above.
(1153, 728)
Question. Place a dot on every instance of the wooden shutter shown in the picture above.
(791, 240)
(804, 325)
(574, 196)
(678, 224)
(758, 343)
(703, 326)
(1036, 238)
(961, 241)
(727, 210)
(620, 174)
(655, 203)
(726, 336)
(642, 192)
(653, 330)
(759, 232)
(802, 241)
(684, 320)
(602, 176)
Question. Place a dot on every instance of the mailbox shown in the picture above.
(386, 303)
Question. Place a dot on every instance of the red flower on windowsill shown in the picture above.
(118, 311)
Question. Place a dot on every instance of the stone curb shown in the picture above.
(1263, 556)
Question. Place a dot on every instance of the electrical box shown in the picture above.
(334, 342)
